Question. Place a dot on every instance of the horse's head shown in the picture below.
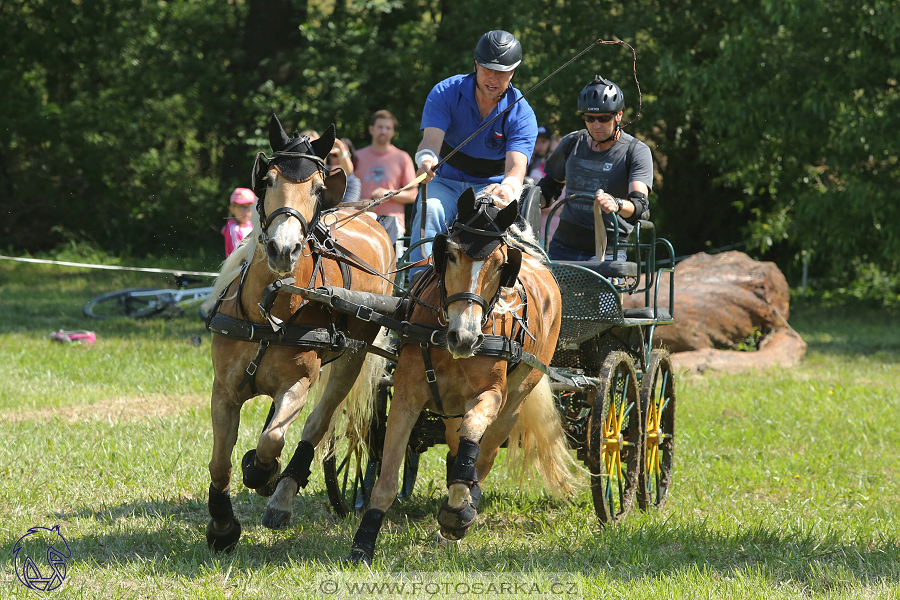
(473, 262)
(293, 187)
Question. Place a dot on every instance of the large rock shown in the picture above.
(721, 302)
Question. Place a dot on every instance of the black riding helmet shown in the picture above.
(601, 96)
(499, 51)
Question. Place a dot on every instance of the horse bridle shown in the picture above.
(508, 273)
(260, 190)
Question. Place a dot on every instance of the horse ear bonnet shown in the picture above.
(295, 167)
(483, 223)
(511, 267)
(439, 252)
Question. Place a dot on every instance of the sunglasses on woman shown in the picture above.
(601, 118)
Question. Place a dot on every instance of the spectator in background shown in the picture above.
(341, 155)
(384, 168)
(239, 224)
(542, 150)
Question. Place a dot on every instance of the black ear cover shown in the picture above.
(511, 267)
(335, 184)
(507, 216)
(278, 139)
(439, 252)
(322, 146)
(260, 168)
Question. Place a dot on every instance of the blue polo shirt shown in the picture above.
(451, 107)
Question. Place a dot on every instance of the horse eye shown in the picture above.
(451, 257)
(270, 178)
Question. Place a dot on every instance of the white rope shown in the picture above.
(107, 267)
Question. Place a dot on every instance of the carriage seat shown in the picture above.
(530, 205)
(646, 312)
(608, 268)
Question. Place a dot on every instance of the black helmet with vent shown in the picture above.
(498, 50)
(601, 96)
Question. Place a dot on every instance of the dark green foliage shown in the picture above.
(128, 122)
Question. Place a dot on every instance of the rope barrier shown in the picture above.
(106, 267)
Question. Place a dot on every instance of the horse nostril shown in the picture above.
(272, 251)
(452, 338)
(478, 339)
(298, 249)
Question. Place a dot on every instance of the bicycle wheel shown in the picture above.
(134, 303)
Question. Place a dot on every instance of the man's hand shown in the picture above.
(427, 167)
(379, 193)
(501, 192)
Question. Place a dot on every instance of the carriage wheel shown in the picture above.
(658, 408)
(616, 439)
(348, 476)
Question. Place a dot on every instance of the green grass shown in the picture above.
(785, 484)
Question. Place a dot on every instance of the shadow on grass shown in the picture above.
(641, 550)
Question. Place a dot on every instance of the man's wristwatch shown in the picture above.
(618, 204)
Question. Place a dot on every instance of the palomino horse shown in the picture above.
(481, 397)
(277, 347)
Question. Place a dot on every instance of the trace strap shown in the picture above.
(376, 307)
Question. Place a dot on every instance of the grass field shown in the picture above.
(786, 482)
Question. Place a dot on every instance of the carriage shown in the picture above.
(321, 279)
(614, 391)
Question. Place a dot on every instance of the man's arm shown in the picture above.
(511, 187)
(428, 151)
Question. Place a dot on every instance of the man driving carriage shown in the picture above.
(602, 161)
(494, 161)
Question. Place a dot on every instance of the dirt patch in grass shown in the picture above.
(112, 410)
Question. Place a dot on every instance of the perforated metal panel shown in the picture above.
(590, 303)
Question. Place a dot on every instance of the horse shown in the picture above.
(278, 346)
(483, 399)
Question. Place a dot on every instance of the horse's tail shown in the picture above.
(538, 439)
(354, 417)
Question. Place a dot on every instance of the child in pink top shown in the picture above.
(239, 225)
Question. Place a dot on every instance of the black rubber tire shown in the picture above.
(617, 437)
(349, 476)
(123, 304)
(658, 409)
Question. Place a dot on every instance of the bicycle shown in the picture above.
(141, 303)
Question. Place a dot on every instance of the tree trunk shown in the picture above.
(723, 303)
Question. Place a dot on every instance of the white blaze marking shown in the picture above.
(476, 270)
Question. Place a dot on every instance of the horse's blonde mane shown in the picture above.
(524, 240)
(245, 252)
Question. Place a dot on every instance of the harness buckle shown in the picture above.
(251, 369)
(431, 339)
(364, 310)
(430, 376)
(339, 342)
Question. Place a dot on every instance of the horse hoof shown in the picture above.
(223, 541)
(276, 519)
(263, 481)
(442, 542)
(455, 522)
(359, 556)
